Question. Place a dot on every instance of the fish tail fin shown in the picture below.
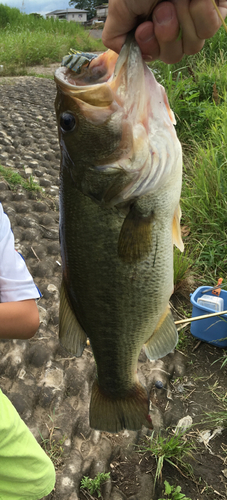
(114, 414)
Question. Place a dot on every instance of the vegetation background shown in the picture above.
(28, 40)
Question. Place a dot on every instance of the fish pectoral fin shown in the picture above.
(114, 414)
(135, 239)
(177, 240)
(164, 338)
(71, 334)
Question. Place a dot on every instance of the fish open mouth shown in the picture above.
(109, 75)
(80, 71)
(123, 88)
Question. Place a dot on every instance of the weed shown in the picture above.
(223, 359)
(28, 40)
(172, 449)
(51, 446)
(217, 418)
(173, 493)
(196, 89)
(14, 180)
(183, 340)
(181, 266)
(94, 485)
(219, 394)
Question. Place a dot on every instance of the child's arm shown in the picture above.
(19, 316)
(18, 320)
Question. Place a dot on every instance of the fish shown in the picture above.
(120, 186)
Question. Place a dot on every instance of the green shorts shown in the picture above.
(26, 472)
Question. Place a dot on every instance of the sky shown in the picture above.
(39, 6)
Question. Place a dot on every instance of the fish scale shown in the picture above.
(119, 218)
(104, 293)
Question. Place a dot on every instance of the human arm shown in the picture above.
(19, 317)
(18, 320)
(159, 38)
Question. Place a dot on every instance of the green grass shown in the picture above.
(52, 446)
(14, 180)
(197, 91)
(26, 40)
(93, 486)
(173, 493)
(204, 199)
(183, 341)
(217, 418)
(174, 449)
(181, 267)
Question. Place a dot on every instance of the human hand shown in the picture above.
(195, 20)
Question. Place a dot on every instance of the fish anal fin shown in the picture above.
(135, 239)
(114, 414)
(71, 334)
(177, 240)
(164, 338)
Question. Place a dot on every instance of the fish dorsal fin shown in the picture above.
(135, 239)
(71, 334)
(164, 338)
(177, 240)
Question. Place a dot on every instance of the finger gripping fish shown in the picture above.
(120, 184)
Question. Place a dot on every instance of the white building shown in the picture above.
(102, 11)
(76, 15)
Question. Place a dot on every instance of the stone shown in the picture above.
(20, 402)
(52, 288)
(43, 315)
(39, 206)
(45, 182)
(4, 186)
(38, 355)
(117, 495)
(101, 457)
(28, 171)
(42, 269)
(53, 248)
(23, 207)
(31, 234)
(46, 220)
(47, 397)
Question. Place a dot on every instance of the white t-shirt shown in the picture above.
(16, 282)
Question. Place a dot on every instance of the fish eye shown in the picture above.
(67, 122)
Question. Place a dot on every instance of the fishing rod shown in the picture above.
(196, 318)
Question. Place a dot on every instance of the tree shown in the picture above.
(89, 5)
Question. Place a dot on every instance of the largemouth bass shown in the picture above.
(120, 184)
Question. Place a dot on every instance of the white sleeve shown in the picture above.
(16, 282)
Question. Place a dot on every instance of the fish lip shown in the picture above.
(60, 74)
(61, 78)
(66, 78)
